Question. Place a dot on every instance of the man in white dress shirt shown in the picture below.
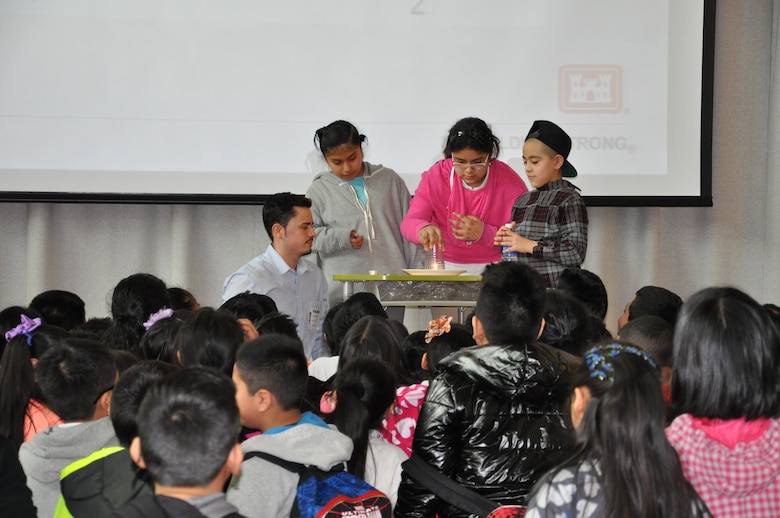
(298, 286)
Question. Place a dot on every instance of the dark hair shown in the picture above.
(623, 430)
(337, 134)
(472, 133)
(182, 299)
(252, 306)
(157, 342)
(723, 332)
(123, 360)
(445, 344)
(567, 323)
(128, 393)
(280, 208)
(413, 347)
(278, 323)
(328, 331)
(365, 389)
(653, 334)
(656, 301)
(277, 364)
(73, 374)
(587, 287)
(350, 311)
(17, 378)
(95, 329)
(373, 337)
(209, 338)
(134, 300)
(510, 303)
(188, 422)
(60, 308)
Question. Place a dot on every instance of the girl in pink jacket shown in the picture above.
(463, 200)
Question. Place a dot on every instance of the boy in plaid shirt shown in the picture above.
(549, 227)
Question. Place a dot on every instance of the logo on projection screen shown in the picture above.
(590, 89)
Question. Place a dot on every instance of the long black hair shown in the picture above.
(365, 389)
(622, 433)
(17, 378)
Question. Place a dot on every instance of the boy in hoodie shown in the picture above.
(103, 481)
(188, 427)
(492, 417)
(271, 377)
(76, 377)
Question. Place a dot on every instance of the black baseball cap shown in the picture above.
(556, 139)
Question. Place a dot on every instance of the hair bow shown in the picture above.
(155, 317)
(27, 326)
(437, 327)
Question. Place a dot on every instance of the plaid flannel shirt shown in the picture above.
(554, 215)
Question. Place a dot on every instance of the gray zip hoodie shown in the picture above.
(337, 211)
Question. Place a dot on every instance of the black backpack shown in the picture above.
(333, 493)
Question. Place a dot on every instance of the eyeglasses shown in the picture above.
(462, 166)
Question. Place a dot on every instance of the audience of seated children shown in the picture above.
(654, 335)
(23, 409)
(270, 376)
(209, 338)
(188, 426)
(60, 308)
(567, 323)
(76, 377)
(365, 391)
(652, 300)
(106, 479)
(133, 301)
(726, 395)
(493, 418)
(623, 465)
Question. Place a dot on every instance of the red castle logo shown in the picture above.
(590, 89)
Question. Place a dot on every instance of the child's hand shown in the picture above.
(355, 239)
(466, 227)
(430, 235)
(515, 242)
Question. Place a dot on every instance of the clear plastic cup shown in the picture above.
(434, 258)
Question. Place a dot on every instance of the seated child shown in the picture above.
(103, 481)
(188, 427)
(271, 377)
(76, 378)
(550, 223)
(623, 465)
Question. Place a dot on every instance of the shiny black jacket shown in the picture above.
(494, 419)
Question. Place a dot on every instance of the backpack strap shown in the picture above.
(447, 489)
(294, 467)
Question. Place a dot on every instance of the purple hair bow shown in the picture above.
(154, 317)
(27, 326)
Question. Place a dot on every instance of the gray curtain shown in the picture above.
(88, 248)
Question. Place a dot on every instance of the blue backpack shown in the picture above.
(335, 493)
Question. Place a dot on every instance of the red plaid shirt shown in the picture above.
(741, 480)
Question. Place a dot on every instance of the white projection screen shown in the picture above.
(217, 101)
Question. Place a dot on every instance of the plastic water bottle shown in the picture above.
(506, 255)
